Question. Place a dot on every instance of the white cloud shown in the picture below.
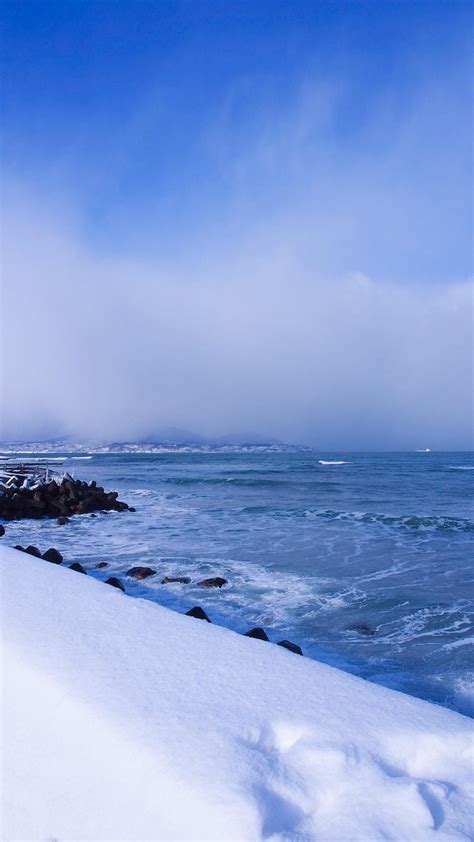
(109, 348)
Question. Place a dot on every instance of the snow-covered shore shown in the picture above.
(123, 720)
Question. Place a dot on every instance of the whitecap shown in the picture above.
(43, 460)
(461, 467)
(335, 462)
(463, 697)
(467, 641)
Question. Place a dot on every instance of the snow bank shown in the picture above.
(123, 720)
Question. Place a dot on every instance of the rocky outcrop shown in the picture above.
(78, 567)
(31, 550)
(116, 583)
(258, 633)
(292, 647)
(53, 555)
(215, 582)
(58, 498)
(362, 628)
(180, 580)
(141, 572)
(198, 613)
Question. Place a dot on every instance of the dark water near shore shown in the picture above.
(309, 550)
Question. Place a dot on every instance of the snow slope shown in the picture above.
(123, 720)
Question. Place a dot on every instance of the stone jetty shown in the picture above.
(33, 493)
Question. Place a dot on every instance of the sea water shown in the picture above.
(363, 559)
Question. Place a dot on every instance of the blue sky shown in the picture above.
(285, 145)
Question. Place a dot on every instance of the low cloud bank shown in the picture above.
(107, 348)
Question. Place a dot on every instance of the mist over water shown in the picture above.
(103, 347)
(362, 559)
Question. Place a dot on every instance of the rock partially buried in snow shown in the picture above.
(33, 551)
(362, 628)
(198, 613)
(78, 567)
(101, 564)
(61, 521)
(2, 530)
(53, 555)
(140, 572)
(181, 580)
(116, 583)
(216, 582)
(258, 633)
(292, 647)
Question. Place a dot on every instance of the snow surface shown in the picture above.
(123, 720)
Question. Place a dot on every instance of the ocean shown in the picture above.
(364, 559)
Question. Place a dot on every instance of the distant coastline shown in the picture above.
(66, 446)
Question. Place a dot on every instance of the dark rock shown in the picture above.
(56, 499)
(293, 647)
(78, 567)
(140, 572)
(2, 530)
(116, 583)
(257, 632)
(81, 509)
(101, 565)
(216, 582)
(198, 613)
(33, 551)
(362, 628)
(19, 547)
(181, 580)
(93, 515)
(131, 509)
(53, 555)
(61, 521)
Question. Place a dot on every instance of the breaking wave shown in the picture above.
(406, 521)
(313, 555)
(461, 467)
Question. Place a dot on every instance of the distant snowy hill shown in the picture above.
(175, 435)
(166, 438)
